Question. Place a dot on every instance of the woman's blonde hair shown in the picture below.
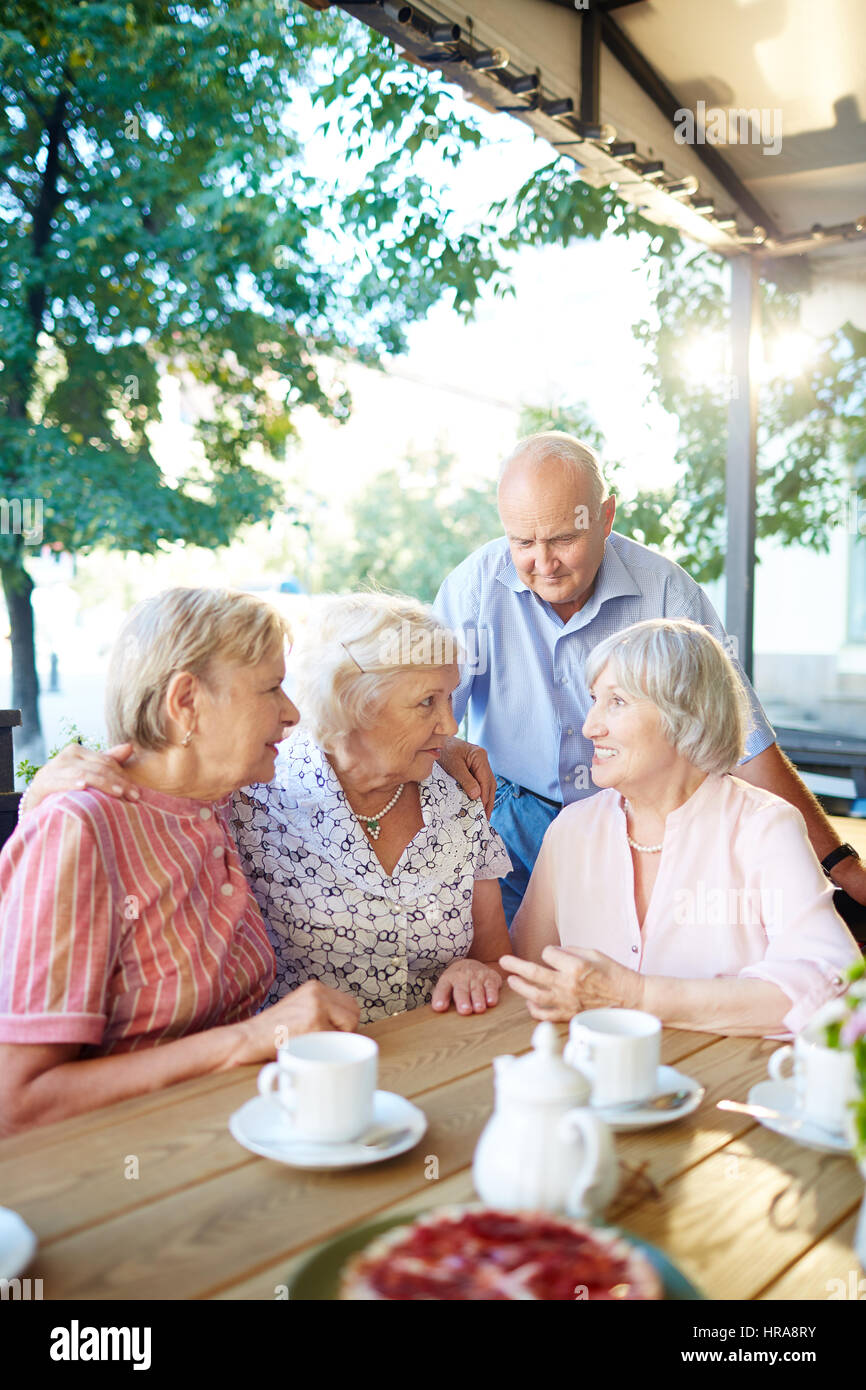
(355, 648)
(181, 630)
(687, 674)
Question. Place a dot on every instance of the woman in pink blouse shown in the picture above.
(679, 888)
(132, 952)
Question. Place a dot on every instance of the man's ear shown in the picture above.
(608, 511)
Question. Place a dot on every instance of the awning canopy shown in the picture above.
(737, 121)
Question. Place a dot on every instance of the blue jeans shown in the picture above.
(521, 819)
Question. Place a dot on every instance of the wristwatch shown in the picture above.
(836, 855)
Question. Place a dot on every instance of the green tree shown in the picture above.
(811, 430)
(812, 423)
(410, 527)
(157, 213)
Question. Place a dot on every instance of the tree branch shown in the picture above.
(19, 190)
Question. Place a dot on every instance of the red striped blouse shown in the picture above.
(125, 924)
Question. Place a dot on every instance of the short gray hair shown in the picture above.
(566, 448)
(687, 674)
(354, 649)
(181, 630)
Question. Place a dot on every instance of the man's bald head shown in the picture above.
(557, 516)
(553, 460)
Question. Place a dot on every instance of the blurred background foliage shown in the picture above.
(158, 215)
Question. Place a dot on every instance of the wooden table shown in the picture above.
(852, 829)
(204, 1219)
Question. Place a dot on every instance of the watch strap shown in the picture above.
(835, 856)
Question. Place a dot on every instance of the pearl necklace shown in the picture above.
(371, 825)
(641, 849)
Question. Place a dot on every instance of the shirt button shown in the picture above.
(205, 813)
(635, 948)
(217, 851)
(569, 732)
(567, 777)
(227, 890)
(563, 680)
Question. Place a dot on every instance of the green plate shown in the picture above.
(318, 1278)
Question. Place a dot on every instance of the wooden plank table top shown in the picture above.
(153, 1198)
(852, 829)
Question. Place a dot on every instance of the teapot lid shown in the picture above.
(542, 1074)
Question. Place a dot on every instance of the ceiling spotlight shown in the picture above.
(623, 149)
(490, 59)
(402, 13)
(560, 106)
(725, 224)
(702, 205)
(526, 82)
(443, 33)
(605, 134)
(683, 188)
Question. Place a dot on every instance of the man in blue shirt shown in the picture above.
(530, 607)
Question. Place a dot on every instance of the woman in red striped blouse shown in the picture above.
(132, 952)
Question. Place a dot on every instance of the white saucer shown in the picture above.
(778, 1095)
(17, 1244)
(642, 1117)
(263, 1127)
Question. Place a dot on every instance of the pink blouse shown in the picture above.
(125, 924)
(739, 893)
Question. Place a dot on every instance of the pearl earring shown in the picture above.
(184, 743)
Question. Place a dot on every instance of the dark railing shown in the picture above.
(832, 755)
(9, 719)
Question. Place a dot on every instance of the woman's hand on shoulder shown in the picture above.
(473, 985)
(76, 767)
(573, 979)
(311, 1008)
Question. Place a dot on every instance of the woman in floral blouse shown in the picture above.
(375, 873)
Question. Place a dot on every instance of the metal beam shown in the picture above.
(590, 66)
(657, 90)
(741, 469)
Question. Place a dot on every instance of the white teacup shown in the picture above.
(326, 1083)
(823, 1077)
(618, 1050)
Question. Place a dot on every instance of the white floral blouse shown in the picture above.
(331, 911)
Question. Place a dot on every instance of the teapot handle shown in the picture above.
(597, 1180)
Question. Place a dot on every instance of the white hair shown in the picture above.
(181, 630)
(687, 674)
(536, 449)
(355, 648)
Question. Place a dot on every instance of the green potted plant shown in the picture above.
(847, 1028)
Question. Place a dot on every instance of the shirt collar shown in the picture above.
(314, 784)
(707, 790)
(303, 769)
(613, 580)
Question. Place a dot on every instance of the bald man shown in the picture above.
(530, 607)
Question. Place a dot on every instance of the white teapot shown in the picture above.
(542, 1148)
